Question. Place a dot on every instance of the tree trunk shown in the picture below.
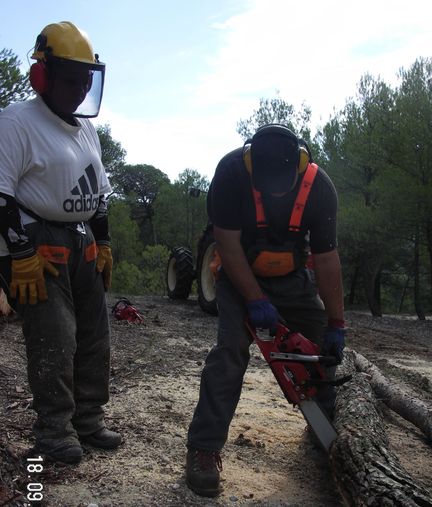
(153, 229)
(370, 269)
(377, 290)
(353, 285)
(417, 300)
(404, 291)
(429, 248)
(366, 471)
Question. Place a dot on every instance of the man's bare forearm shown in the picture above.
(328, 276)
(235, 263)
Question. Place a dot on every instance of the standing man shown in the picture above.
(270, 205)
(55, 242)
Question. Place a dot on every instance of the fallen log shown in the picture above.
(365, 470)
(412, 409)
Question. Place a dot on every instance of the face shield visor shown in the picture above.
(77, 87)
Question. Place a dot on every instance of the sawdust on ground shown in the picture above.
(268, 460)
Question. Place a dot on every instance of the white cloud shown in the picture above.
(313, 52)
(175, 143)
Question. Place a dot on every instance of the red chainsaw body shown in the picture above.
(294, 377)
(123, 310)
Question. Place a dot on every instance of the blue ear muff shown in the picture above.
(39, 77)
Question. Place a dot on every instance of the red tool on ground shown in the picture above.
(123, 310)
(296, 364)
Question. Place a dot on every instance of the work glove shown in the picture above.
(28, 275)
(104, 264)
(262, 314)
(334, 343)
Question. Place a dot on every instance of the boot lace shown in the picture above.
(207, 460)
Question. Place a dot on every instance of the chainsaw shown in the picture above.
(123, 310)
(298, 367)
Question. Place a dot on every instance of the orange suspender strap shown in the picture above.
(299, 205)
(259, 208)
(302, 197)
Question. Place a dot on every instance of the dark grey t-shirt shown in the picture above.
(230, 205)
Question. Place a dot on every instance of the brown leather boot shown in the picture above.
(61, 451)
(202, 472)
(102, 439)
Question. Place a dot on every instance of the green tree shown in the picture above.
(14, 86)
(153, 262)
(125, 242)
(140, 184)
(179, 216)
(113, 155)
(411, 170)
(277, 110)
(127, 279)
(356, 156)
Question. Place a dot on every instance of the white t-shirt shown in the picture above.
(50, 167)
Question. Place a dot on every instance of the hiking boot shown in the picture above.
(202, 471)
(102, 439)
(69, 453)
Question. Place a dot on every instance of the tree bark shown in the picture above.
(370, 270)
(413, 410)
(429, 249)
(365, 470)
(353, 286)
(417, 300)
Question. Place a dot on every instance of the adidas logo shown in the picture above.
(87, 191)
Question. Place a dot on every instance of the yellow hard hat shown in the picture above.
(64, 40)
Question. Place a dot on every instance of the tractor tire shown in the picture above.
(179, 273)
(205, 278)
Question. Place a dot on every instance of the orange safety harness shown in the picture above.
(271, 261)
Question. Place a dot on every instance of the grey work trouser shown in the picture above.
(68, 339)
(222, 377)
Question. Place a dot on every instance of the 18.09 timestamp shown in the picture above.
(34, 489)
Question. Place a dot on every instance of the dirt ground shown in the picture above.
(268, 459)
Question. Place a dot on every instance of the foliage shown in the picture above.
(14, 86)
(127, 278)
(377, 151)
(180, 217)
(113, 155)
(125, 243)
(139, 185)
(277, 110)
(153, 262)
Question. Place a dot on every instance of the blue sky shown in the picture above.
(181, 74)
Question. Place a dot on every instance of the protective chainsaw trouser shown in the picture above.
(67, 338)
(296, 299)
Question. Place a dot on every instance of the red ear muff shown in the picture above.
(39, 77)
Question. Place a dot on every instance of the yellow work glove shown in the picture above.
(28, 275)
(104, 264)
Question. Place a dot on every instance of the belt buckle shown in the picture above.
(80, 228)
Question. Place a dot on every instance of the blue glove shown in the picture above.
(262, 314)
(334, 343)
